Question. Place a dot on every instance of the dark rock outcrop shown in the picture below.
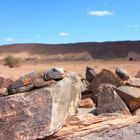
(109, 101)
(41, 112)
(85, 92)
(90, 74)
(122, 74)
(105, 76)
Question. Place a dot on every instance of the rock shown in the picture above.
(138, 74)
(86, 103)
(35, 79)
(122, 74)
(85, 111)
(90, 127)
(137, 112)
(22, 115)
(90, 74)
(4, 83)
(3, 92)
(84, 86)
(109, 101)
(129, 132)
(86, 93)
(130, 95)
(105, 76)
(134, 82)
(41, 112)
(54, 74)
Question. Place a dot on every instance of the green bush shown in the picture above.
(11, 61)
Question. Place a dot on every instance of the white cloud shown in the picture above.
(132, 26)
(9, 39)
(63, 34)
(100, 13)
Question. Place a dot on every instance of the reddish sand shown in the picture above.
(76, 66)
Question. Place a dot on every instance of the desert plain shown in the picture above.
(70, 66)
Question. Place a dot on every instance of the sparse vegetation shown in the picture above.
(11, 61)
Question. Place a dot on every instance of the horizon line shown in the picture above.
(71, 42)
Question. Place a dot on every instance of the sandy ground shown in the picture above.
(74, 66)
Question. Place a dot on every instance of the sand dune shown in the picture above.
(75, 51)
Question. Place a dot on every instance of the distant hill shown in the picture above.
(74, 51)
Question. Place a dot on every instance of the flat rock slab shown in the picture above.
(130, 95)
(134, 82)
(90, 127)
(25, 116)
(34, 115)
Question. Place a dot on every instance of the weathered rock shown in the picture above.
(130, 95)
(134, 82)
(105, 76)
(34, 115)
(109, 101)
(84, 86)
(90, 74)
(86, 103)
(35, 79)
(86, 93)
(54, 74)
(90, 127)
(4, 83)
(85, 111)
(138, 74)
(122, 74)
(137, 112)
(3, 92)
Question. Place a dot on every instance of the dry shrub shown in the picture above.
(12, 62)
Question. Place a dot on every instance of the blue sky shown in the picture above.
(68, 21)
